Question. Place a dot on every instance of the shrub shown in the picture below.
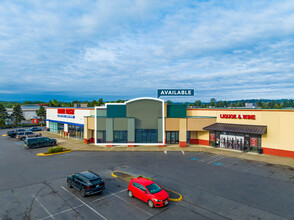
(140, 176)
(55, 150)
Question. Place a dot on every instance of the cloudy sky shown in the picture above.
(235, 49)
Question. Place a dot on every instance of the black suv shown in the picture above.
(39, 142)
(13, 133)
(87, 182)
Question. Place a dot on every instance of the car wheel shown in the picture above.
(23, 138)
(53, 143)
(69, 184)
(130, 193)
(83, 194)
(151, 204)
(33, 146)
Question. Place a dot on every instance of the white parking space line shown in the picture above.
(85, 204)
(112, 194)
(70, 209)
(67, 210)
(133, 205)
(50, 215)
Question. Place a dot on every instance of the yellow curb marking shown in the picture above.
(175, 200)
(4, 135)
(171, 199)
(47, 154)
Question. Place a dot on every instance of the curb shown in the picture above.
(174, 200)
(63, 152)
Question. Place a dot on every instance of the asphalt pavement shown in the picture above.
(212, 186)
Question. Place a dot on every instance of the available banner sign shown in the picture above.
(175, 92)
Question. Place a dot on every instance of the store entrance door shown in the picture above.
(172, 137)
(246, 142)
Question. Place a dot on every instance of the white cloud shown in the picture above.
(242, 49)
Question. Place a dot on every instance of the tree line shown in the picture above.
(261, 103)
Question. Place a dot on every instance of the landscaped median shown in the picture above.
(173, 196)
(55, 150)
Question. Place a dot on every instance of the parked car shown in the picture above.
(35, 129)
(13, 133)
(39, 142)
(27, 134)
(148, 191)
(87, 182)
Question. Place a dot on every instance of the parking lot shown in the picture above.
(212, 186)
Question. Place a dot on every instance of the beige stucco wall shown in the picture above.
(280, 124)
(172, 124)
(197, 124)
(91, 123)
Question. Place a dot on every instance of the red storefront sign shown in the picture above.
(234, 116)
(67, 111)
(70, 111)
(253, 142)
(212, 137)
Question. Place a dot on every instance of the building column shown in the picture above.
(47, 125)
(86, 141)
(183, 133)
(109, 132)
(131, 132)
(159, 133)
(65, 129)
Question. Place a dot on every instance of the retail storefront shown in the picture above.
(67, 121)
(235, 136)
(150, 121)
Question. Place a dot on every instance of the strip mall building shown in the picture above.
(150, 121)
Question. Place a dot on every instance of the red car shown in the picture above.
(148, 191)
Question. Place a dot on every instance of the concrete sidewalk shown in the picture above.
(79, 145)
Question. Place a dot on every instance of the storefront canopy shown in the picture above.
(247, 129)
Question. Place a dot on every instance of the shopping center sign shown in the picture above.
(234, 116)
(65, 113)
(175, 92)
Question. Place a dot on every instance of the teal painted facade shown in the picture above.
(116, 111)
(138, 121)
(176, 111)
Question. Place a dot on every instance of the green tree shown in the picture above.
(169, 102)
(41, 112)
(198, 103)
(259, 103)
(285, 103)
(17, 114)
(212, 101)
(2, 122)
(3, 112)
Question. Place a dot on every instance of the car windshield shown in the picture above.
(96, 181)
(153, 188)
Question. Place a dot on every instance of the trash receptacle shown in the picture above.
(260, 150)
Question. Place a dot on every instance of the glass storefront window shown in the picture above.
(212, 138)
(172, 137)
(101, 136)
(146, 136)
(188, 137)
(235, 141)
(120, 136)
